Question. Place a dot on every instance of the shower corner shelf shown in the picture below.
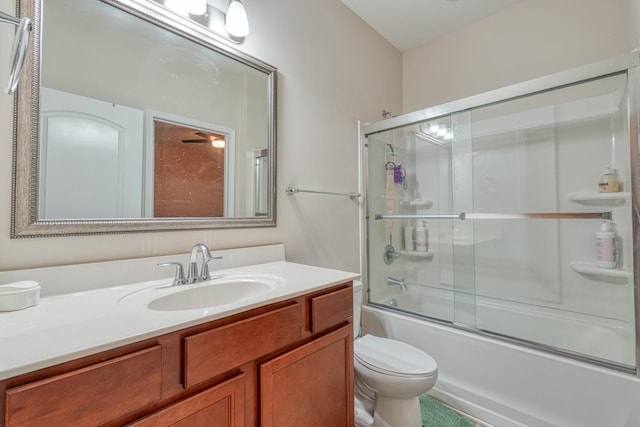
(593, 270)
(599, 199)
(416, 254)
(417, 203)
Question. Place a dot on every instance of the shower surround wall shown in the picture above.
(529, 279)
(488, 284)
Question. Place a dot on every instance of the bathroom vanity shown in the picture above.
(281, 360)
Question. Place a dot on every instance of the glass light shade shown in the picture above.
(236, 22)
(196, 7)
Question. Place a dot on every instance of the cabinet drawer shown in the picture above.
(219, 350)
(89, 396)
(331, 309)
(218, 406)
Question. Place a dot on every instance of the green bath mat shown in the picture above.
(434, 414)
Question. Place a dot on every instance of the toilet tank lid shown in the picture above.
(388, 355)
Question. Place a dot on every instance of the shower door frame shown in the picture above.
(629, 64)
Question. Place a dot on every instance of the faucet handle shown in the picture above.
(204, 272)
(178, 278)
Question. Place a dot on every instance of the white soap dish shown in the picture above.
(19, 295)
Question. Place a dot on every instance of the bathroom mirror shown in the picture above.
(132, 118)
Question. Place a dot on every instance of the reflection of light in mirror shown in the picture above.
(217, 143)
(436, 132)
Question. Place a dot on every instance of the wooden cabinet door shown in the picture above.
(310, 386)
(218, 406)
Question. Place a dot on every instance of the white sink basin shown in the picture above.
(224, 290)
(211, 294)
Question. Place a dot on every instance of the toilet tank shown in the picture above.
(357, 305)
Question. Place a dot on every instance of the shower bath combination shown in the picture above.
(507, 186)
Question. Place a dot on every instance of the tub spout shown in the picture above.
(396, 282)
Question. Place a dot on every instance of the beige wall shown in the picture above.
(331, 66)
(633, 19)
(529, 39)
(328, 62)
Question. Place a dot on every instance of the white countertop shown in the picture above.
(68, 326)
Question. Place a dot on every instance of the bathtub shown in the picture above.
(600, 338)
(508, 385)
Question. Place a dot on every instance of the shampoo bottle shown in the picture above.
(606, 246)
(609, 181)
(408, 238)
(422, 237)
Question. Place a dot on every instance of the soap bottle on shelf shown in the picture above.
(609, 181)
(606, 246)
(422, 237)
(408, 238)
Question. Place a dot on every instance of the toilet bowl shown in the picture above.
(389, 378)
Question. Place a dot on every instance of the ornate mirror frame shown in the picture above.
(24, 206)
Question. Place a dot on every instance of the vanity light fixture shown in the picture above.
(231, 24)
(236, 22)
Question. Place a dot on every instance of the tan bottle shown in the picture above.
(609, 181)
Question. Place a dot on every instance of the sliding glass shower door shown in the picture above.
(508, 197)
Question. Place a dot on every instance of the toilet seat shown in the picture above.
(391, 357)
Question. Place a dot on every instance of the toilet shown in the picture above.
(389, 377)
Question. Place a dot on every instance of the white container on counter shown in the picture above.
(19, 295)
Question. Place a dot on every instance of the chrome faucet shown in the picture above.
(192, 275)
(396, 282)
